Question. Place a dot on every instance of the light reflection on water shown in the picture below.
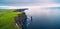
(44, 18)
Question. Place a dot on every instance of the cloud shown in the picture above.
(57, 1)
(27, 2)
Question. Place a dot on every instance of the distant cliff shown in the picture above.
(20, 10)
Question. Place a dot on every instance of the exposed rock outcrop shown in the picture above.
(20, 19)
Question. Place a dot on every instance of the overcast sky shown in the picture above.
(27, 2)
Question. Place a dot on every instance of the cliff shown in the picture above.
(20, 10)
(20, 19)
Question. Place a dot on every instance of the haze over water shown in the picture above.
(44, 18)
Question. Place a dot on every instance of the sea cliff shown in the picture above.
(20, 20)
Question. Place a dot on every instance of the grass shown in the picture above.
(7, 19)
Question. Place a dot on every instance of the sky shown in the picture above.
(28, 2)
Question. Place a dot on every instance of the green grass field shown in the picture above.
(7, 19)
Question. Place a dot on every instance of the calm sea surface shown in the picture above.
(44, 18)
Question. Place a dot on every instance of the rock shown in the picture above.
(20, 10)
(20, 19)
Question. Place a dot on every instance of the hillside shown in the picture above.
(7, 19)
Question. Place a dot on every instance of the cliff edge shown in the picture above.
(19, 19)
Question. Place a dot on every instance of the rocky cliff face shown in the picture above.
(20, 10)
(19, 20)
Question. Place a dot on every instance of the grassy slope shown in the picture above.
(7, 19)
